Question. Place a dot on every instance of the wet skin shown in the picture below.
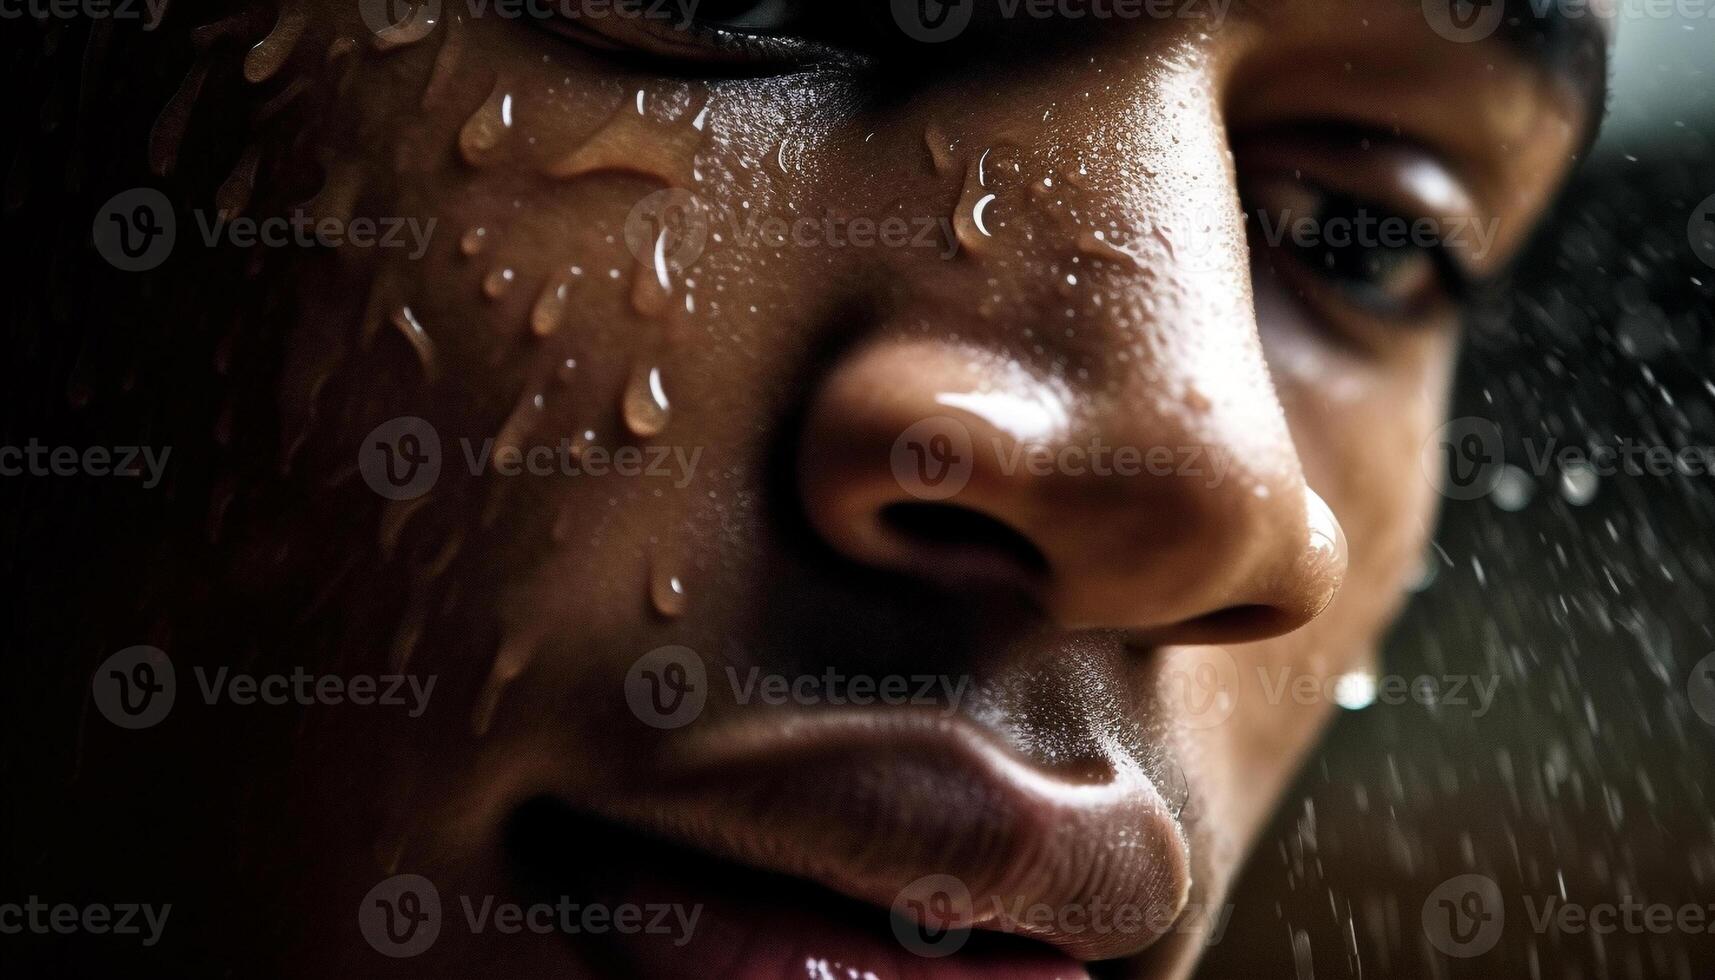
(1093, 275)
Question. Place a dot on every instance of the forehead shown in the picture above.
(1562, 43)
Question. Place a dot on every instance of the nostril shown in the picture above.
(958, 539)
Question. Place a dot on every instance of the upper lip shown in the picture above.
(868, 802)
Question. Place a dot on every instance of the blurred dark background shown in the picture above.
(1589, 779)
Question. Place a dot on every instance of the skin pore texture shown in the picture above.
(1091, 272)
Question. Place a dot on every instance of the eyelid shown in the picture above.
(1456, 285)
(702, 45)
(1396, 174)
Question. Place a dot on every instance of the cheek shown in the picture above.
(1359, 426)
(1360, 423)
(560, 304)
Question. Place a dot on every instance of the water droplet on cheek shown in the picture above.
(474, 241)
(169, 131)
(416, 26)
(973, 220)
(550, 308)
(268, 56)
(514, 656)
(652, 288)
(498, 283)
(482, 133)
(632, 143)
(666, 590)
(407, 324)
(645, 406)
(234, 195)
(941, 155)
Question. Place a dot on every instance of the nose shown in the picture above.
(958, 466)
(1078, 405)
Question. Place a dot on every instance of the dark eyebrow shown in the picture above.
(1571, 47)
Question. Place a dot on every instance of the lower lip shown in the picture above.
(750, 925)
(772, 937)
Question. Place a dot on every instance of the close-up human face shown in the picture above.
(750, 488)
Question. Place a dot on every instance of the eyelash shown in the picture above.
(713, 47)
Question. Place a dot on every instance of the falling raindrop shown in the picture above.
(1513, 489)
(1579, 483)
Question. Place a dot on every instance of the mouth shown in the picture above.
(867, 844)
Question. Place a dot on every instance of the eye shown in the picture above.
(1369, 231)
(753, 33)
(756, 16)
(1357, 251)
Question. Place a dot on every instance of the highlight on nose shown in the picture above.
(961, 467)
